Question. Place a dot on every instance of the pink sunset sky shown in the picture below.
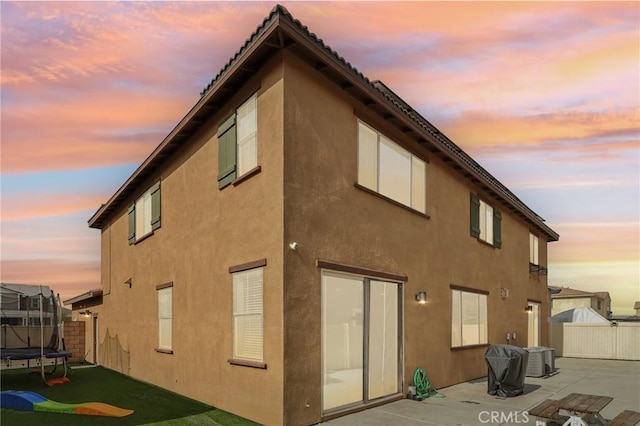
(546, 96)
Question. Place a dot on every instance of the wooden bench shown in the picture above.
(547, 409)
(626, 418)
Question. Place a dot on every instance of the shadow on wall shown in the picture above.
(112, 354)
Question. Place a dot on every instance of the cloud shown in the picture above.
(483, 129)
(592, 242)
(21, 207)
(66, 277)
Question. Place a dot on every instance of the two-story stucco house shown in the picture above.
(303, 240)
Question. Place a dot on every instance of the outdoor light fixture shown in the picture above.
(529, 308)
(86, 313)
(421, 297)
(293, 245)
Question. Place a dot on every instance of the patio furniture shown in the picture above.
(626, 418)
(547, 410)
(584, 407)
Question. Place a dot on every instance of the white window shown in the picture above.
(533, 249)
(165, 317)
(486, 222)
(247, 116)
(390, 170)
(34, 302)
(143, 215)
(468, 318)
(247, 315)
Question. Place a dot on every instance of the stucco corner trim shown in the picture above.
(391, 200)
(164, 351)
(249, 265)
(247, 175)
(246, 363)
(360, 271)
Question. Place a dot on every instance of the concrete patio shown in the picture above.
(469, 404)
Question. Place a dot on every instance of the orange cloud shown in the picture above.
(484, 129)
(66, 277)
(17, 207)
(596, 242)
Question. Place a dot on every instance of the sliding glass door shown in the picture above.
(361, 339)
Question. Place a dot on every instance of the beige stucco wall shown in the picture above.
(204, 232)
(307, 131)
(334, 221)
(562, 304)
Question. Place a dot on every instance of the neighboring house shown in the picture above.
(86, 307)
(303, 240)
(20, 304)
(636, 306)
(565, 298)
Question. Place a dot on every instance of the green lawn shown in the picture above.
(151, 404)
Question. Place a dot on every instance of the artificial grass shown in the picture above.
(151, 404)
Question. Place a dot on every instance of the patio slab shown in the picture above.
(469, 403)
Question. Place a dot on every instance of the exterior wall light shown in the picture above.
(421, 297)
(529, 309)
(293, 245)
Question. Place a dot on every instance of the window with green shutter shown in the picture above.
(144, 215)
(486, 222)
(238, 143)
(227, 152)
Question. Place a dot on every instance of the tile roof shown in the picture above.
(572, 292)
(291, 30)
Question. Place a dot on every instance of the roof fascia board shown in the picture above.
(322, 52)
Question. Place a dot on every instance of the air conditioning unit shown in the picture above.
(536, 363)
(549, 360)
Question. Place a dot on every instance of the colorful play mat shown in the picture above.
(31, 401)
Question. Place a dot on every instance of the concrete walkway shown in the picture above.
(470, 404)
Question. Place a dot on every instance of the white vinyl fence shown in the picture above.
(602, 341)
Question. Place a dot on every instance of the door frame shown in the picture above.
(366, 281)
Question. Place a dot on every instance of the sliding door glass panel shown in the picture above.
(383, 339)
(342, 340)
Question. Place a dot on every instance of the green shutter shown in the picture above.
(475, 216)
(155, 206)
(497, 228)
(227, 152)
(132, 223)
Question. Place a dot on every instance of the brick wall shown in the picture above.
(74, 339)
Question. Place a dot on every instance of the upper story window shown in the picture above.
(390, 170)
(533, 249)
(238, 143)
(486, 222)
(34, 302)
(144, 214)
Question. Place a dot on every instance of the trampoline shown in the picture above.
(32, 333)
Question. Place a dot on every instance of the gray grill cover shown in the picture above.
(507, 367)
